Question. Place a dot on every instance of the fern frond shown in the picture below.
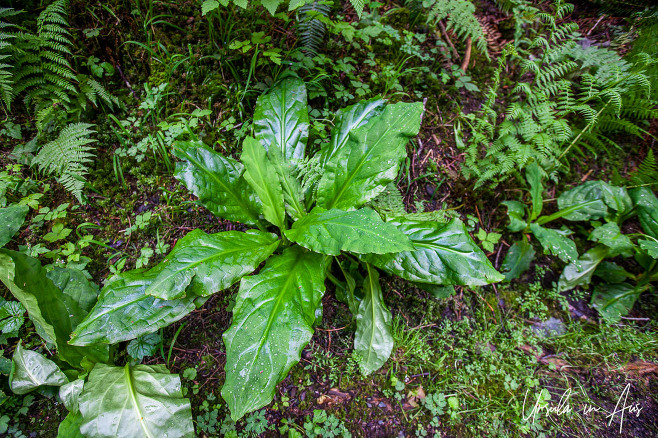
(309, 171)
(647, 171)
(460, 19)
(358, 6)
(389, 202)
(310, 24)
(93, 89)
(68, 156)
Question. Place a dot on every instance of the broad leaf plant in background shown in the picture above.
(605, 208)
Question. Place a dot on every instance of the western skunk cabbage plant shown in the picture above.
(307, 212)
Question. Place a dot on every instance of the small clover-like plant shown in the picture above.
(307, 212)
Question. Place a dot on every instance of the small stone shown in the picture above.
(549, 328)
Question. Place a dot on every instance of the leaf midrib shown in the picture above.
(133, 399)
(361, 163)
(374, 314)
(192, 265)
(139, 296)
(213, 176)
(272, 316)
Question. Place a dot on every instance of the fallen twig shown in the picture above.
(467, 55)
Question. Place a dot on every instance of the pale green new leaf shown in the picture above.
(11, 219)
(30, 370)
(347, 120)
(646, 204)
(373, 340)
(533, 176)
(124, 311)
(281, 119)
(515, 212)
(134, 402)
(361, 232)
(217, 181)
(445, 254)
(517, 260)
(594, 200)
(556, 243)
(272, 322)
(370, 159)
(261, 175)
(578, 274)
(210, 262)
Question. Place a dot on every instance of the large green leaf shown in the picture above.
(646, 204)
(211, 262)
(555, 242)
(445, 254)
(124, 311)
(30, 370)
(611, 236)
(615, 300)
(11, 219)
(74, 284)
(261, 175)
(281, 118)
(533, 176)
(217, 181)
(134, 402)
(373, 341)
(272, 322)
(515, 212)
(370, 158)
(347, 120)
(361, 231)
(56, 313)
(578, 274)
(594, 200)
(28, 300)
(517, 260)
